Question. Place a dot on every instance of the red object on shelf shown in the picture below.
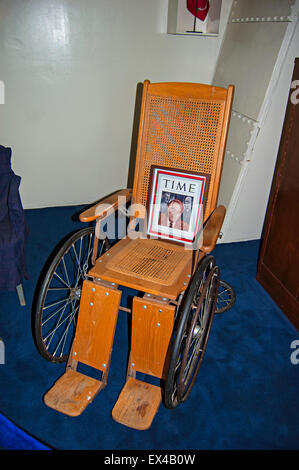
(198, 8)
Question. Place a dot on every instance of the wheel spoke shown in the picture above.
(226, 297)
(55, 313)
(58, 301)
(89, 250)
(64, 336)
(189, 369)
(194, 353)
(65, 270)
(58, 288)
(56, 326)
(63, 282)
(55, 303)
(224, 301)
(220, 293)
(79, 272)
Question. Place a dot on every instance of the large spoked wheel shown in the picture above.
(226, 297)
(194, 319)
(58, 299)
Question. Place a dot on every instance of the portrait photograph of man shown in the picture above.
(173, 217)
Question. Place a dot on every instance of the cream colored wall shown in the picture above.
(70, 69)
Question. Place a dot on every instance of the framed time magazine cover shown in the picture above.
(175, 203)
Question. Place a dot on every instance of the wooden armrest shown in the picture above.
(212, 229)
(105, 206)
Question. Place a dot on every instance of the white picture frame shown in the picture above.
(176, 203)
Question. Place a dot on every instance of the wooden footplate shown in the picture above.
(72, 393)
(137, 404)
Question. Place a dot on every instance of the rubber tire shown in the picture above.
(182, 319)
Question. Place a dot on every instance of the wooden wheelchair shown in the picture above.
(183, 126)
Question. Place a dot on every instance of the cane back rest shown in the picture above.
(182, 126)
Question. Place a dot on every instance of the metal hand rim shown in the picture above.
(182, 395)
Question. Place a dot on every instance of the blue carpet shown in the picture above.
(12, 437)
(246, 394)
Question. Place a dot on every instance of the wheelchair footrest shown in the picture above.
(72, 393)
(137, 404)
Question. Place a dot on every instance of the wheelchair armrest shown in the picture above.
(212, 229)
(105, 206)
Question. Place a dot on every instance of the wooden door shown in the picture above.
(278, 267)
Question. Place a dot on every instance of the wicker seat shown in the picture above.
(155, 266)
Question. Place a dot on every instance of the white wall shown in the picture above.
(70, 69)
